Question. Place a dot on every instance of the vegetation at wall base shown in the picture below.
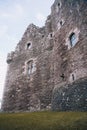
(45, 120)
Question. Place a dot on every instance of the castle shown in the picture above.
(48, 69)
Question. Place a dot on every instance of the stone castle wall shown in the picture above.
(47, 59)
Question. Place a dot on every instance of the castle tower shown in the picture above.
(48, 68)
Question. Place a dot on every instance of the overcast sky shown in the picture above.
(15, 16)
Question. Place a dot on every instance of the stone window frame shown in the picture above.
(68, 42)
(29, 67)
(28, 45)
(32, 67)
(73, 39)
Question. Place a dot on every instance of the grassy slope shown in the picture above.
(44, 121)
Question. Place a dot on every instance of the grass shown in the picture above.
(44, 121)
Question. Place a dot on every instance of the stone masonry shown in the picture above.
(48, 69)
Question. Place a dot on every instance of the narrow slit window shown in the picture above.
(73, 78)
(61, 23)
(30, 67)
(58, 4)
(51, 35)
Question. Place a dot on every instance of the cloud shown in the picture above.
(40, 17)
(14, 12)
(19, 10)
(3, 30)
(7, 39)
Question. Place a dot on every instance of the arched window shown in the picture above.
(30, 67)
(29, 45)
(73, 39)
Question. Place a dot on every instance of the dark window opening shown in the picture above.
(73, 78)
(61, 23)
(28, 45)
(58, 4)
(62, 76)
(51, 35)
(73, 40)
(42, 36)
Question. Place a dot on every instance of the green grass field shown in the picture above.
(44, 121)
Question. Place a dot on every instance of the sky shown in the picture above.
(15, 16)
